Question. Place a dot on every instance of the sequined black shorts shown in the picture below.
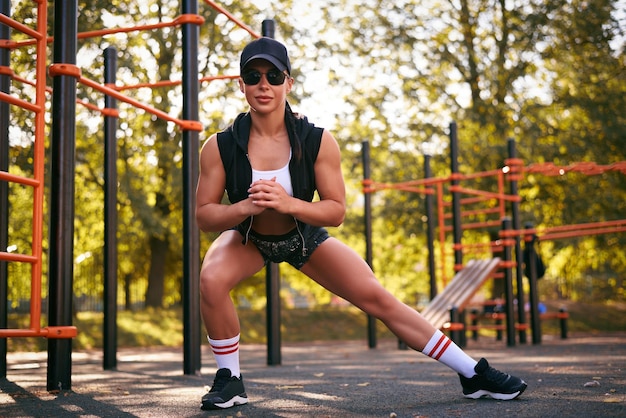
(292, 247)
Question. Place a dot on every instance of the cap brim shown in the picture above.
(277, 63)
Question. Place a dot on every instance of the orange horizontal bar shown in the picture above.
(453, 326)
(481, 174)
(232, 17)
(507, 264)
(186, 125)
(114, 113)
(27, 181)
(186, 18)
(23, 258)
(588, 225)
(4, 97)
(20, 26)
(511, 198)
(55, 332)
(8, 71)
(5, 70)
(61, 332)
(573, 234)
(190, 125)
(586, 167)
(182, 19)
(476, 225)
(506, 242)
(219, 77)
(169, 83)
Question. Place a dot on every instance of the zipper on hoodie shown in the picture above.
(301, 237)
(247, 236)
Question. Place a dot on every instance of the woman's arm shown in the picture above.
(211, 214)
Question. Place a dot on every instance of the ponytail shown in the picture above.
(294, 139)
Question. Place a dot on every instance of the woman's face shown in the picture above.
(264, 97)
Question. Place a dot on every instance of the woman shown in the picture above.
(270, 162)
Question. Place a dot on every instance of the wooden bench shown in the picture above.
(459, 292)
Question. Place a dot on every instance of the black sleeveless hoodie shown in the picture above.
(233, 147)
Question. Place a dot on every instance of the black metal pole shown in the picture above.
(367, 202)
(109, 358)
(517, 225)
(456, 197)
(430, 230)
(272, 273)
(5, 87)
(508, 283)
(191, 163)
(268, 28)
(272, 312)
(62, 171)
(533, 294)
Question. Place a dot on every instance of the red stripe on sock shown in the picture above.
(227, 349)
(221, 353)
(434, 350)
(443, 349)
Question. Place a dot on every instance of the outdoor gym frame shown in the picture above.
(504, 214)
(66, 75)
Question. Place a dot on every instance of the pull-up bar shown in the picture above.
(74, 71)
(231, 17)
(180, 20)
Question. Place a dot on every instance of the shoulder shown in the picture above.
(310, 134)
(210, 152)
(210, 143)
(328, 145)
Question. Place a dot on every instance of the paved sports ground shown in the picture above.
(583, 376)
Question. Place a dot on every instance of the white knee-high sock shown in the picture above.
(444, 350)
(226, 353)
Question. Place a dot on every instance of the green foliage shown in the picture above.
(549, 74)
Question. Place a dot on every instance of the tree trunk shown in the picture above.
(156, 277)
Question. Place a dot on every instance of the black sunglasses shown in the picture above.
(274, 77)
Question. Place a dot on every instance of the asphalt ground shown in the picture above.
(582, 376)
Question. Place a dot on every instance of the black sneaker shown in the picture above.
(491, 382)
(227, 391)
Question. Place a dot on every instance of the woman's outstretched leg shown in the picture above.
(339, 269)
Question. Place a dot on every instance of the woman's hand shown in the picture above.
(268, 194)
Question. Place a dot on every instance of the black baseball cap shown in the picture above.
(267, 49)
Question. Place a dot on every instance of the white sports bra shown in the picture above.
(283, 177)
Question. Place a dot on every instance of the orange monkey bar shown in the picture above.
(74, 71)
(173, 82)
(8, 71)
(592, 228)
(232, 18)
(182, 19)
(513, 171)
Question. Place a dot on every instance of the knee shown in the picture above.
(380, 303)
(213, 286)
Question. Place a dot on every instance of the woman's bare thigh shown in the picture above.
(341, 270)
(230, 261)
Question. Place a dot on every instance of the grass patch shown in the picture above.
(164, 327)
